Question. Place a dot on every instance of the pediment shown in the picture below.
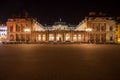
(100, 19)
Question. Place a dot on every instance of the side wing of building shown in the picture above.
(20, 29)
(99, 29)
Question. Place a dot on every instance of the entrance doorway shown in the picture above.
(59, 37)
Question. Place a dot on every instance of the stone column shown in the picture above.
(71, 36)
(46, 36)
(54, 37)
(77, 37)
(41, 37)
(14, 37)
(31, 37)
(63, 37)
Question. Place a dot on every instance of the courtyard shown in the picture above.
(59, 62)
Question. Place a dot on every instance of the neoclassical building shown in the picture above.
(117, 30)
(20, 29)
(90, 30)
(99, 29)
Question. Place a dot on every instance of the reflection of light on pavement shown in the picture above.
(89, 46)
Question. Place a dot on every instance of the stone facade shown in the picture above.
(90, 30)
(118, 33)
(19, 29)
(102, 29)
(3, 32)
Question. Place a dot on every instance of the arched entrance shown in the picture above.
(59, 37)
(79, 38)
(67, 37)
(51, 37)
(75, 38)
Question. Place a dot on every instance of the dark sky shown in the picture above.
(50, 11)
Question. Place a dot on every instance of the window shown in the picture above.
(11, 28)
(17, 28)
(11, 37)
(43, 37)
(17, 37)
(97, 28)
(23, 37)
(111, 38)
(74, 37)
(68, 37)
(103, 28)
(22, 27)
(111, 28)
(103, 37)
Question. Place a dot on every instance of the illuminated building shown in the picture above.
(118, 30)
(90, 30)
(3, 32)
(20, 29)
(58, 32)
(99, 29)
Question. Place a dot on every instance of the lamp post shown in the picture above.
(27, 30)
(89, 30)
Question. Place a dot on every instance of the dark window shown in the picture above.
(11, 28)
(17, 28)
(17, 37)
(111, 38)
(23, 37)
(103, 37)
(22, 28)
(98, 28)
(111, 28)
(103, 28)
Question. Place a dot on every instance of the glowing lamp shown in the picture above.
(27, 30)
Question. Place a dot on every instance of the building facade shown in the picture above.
(118, 33)
(20, 29)
(3, 32)
(99, 29)
(90, 30)
(58, 32)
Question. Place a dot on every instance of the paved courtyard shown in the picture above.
(59, 62)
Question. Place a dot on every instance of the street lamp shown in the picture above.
(27, 30)
(88, 29)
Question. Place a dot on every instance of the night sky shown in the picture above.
(50, 11)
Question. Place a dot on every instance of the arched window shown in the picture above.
(11, 37)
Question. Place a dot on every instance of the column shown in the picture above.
(100, 38)
(63, 35)
(94, 38)
(77, 37)
(41, 37)
(71, 36)
(46, 37)
(54, 37)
